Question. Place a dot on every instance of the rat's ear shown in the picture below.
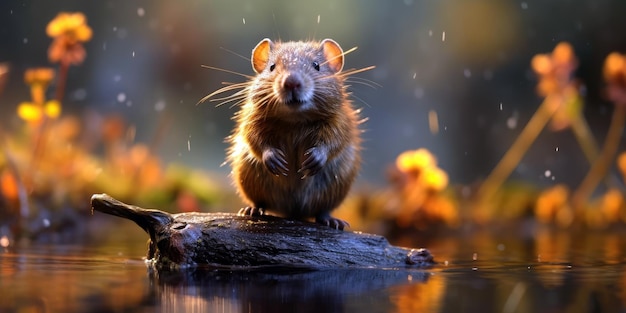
(261, 55)
(333, 54)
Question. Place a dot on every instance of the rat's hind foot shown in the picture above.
(251, 211)
(326, 219)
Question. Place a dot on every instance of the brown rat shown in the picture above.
(295, 148)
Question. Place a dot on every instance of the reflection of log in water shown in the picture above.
(279, 289)
(220, 239)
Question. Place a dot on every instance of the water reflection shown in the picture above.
(549, 272)
(277, 290)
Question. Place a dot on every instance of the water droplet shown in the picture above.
(511, 122)
(141, 12)
(159, 105)
(79, 94)
(133, 54)
(25, 40)
(117, 78)
(419, 92)
(430, 33)
(467, 73)
(547, 173)
(501, 247)
(500, 106)
(121, 97)
(4, 241)
(46, 222)
(443, 36)
(475, 256)
(556, 149)
(524, 5)
(244, 21)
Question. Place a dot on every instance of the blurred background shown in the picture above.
(468, 61)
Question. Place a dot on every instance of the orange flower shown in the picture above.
(615, 76)
(69, 31)
(555, 69)
(42, 76)
(38, 79)
(552, 205)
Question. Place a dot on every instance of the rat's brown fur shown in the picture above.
(295, 148)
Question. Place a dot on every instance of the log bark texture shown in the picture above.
(230, 240)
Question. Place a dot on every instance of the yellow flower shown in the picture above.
(72, 25)
(32, 112)
(415, 160)
(434, 178)
(69, 31)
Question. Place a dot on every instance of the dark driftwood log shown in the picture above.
(223, 239)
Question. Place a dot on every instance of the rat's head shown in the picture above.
(298, 76)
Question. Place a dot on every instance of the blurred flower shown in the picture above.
(555, 69)
(615, 76)
(69, 31)
(415, 160)
(611, 205)
(553, 206)
(8, 186)
(38, 79)
(434, 178)
(42, 76)
(419, 183)
(555, 78)
(34, 111)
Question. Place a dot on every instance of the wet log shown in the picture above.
(230, 240)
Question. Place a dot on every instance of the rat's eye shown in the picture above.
(316, 65)
(272, 67)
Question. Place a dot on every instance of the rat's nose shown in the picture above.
(292, 83)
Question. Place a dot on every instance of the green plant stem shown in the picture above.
(514, 155)
(600, 168)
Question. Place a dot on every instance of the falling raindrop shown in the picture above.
(121, 97)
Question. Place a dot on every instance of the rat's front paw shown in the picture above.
(326, 219)
(275, 162)
(315, 160)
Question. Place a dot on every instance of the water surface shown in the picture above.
(548, 272)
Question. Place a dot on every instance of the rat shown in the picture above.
(295, 149)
